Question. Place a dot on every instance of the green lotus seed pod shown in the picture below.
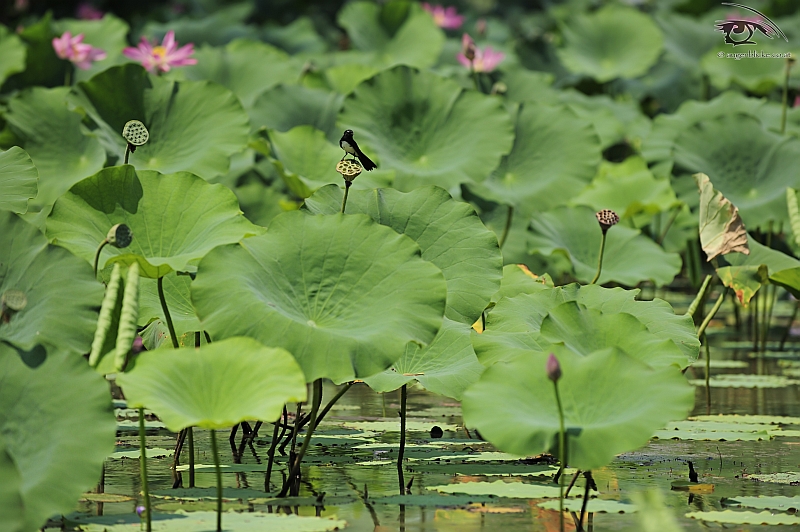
(120, 236)
(105, 320)
(135, 133)
(14, 300)
(128, 318)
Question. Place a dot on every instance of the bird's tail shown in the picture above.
(366, 162)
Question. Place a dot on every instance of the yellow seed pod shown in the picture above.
(135, 133)
(349, 169)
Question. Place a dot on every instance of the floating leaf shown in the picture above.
(203, 521)
(18, 179)
(711, 436)
(394, 426)
(512, 408)
(792, 478)
(43, 391)
(594, 506)
(175, 219)
(745, 518)
(500, 488)
(732, 380)
(721, 227)
(343, 294)
(215, 386)
(771, 503)
(750, 419)
(433, 500)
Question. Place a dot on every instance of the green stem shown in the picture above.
(474, 76)
(127, 152)
(789, 325)
(68, 76)
(103, 244)
(711, 313)
(561, 456)
(191, 456)
(346, 192)
(167, 316)
(507, 228)
(403, 399)
(671, 220)
(332, 402)
(219, 478)
(143, 468)
(600, 258)
(312, 423)
(785, 95)
(699, 297)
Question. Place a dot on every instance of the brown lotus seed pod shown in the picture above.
(607, 218)
(135, 133)
(120, 236)
(349, 169)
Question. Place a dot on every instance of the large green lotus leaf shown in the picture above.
(344, 78)
(12, 511)
(629, 189)
(530, 177)
(216, 28)
(179, 302)
(686, 38)
(12, 54)
(748, 273)
(614, 120)
(195, 126)
(62, 296)
(446, 231)
(205, 521)
(246, 67)
(427, 128)
(215, 386)
(175, 218)
(396, 33)
(518, 279)
(756, 75)
(748, 164)
(42, 65)
(54, 138)
(342, 293)
(774, 260)
(515, 323)
(447, 366)
(721, 227)
(110, 34)
(18, 180)
(612, 404)
(61, 392)
(286, 106)
(613, 42)
(629, 256)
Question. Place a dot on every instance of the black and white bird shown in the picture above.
(349, 145)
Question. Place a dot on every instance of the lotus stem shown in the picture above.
(332, 402)
(785, 103)
(789, 325)
(708, 375)
(771, 301)
(561, 454)
(507, 228)
(271, 453)
(346, 192)
(190, 435)
(711, 313)
(699, 297)
(167, 315)
(600, 258)
(312, 423)
(218, 471)
(589, 481)
(143, 469)
(671, 220)
(403, 400)
(103, 244)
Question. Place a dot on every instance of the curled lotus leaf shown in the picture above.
(721, 227)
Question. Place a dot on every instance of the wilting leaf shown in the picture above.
(721, 227)
(745, 281)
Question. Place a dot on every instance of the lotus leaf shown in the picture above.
(613, 42)
(732, 380)
(12, 511)
(446, 231)
(433, 500)
(427, 128)
(530, 178)
(721, 227)
(109, 33)
(215, 386)
(629, 256)
(750, 419)
(654, 515)
(62, 295)
(512, 408)
(179, 303)
(18, 180)
(286, 106)
(195, 126)
(616, 121)
(777, 478)
(205, 521)
(344, 78)
(343, 294)
(175, 219)
(42, 65)
(518, 279)
(216, 28)
(12, 52)
(447, 366)
(53, 137)
(393, 34)
(594, 506)
(746, 518)
(53, 471)
(745, 281)
(295, 37)
(772, 503)
(246, 67)
(394, 426)
(500, 488)
(757, 76)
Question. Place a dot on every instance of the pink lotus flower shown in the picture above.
(485, 60)
(444, 17)
(162, 57)
(796, 101)
(87, 11)
(75, 50)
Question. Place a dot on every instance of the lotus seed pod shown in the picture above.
(349, 169)
(14, 300)
(135, 133)
(553, 368)
(607, 218)
(120, 236)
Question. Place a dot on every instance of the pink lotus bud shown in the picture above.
(553, 368)
(468, 47)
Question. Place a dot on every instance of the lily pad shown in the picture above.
(427, 128)
(215, 386)
(343, 294)
(195, 126)
(175, 219)
(394, 426)
(594, 506)
(792, 478)
(18, 180)
(750, 419)
(203, 521)
(629, 256)
(105, 497)
(613, 42)
(731, 380)
(745, 518)
(434, 500)
(136, 453)
(779, 502)
(500, 488)
(62, 296)
(53, 471)
(711, 436)
(511, 408)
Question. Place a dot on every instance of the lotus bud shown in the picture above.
(138, 345)
(120, 236)
(481, 27)
(607, 218)
(553, 368)
(468, 47)
(349, 170)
